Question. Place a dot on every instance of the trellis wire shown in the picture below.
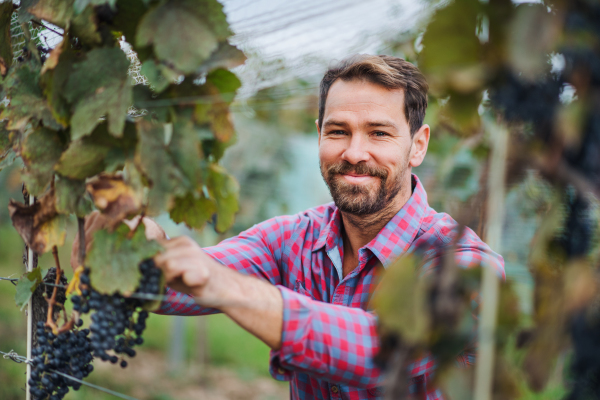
(11, 280)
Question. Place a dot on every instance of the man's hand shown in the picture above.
(96, 221)
(254, 304)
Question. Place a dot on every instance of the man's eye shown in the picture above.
(337, 133)
(380, 134)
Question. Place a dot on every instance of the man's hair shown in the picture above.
(389, 72)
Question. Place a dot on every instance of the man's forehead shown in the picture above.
(381, 106)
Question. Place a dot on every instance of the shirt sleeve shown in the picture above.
(256, 251)
(327, 341)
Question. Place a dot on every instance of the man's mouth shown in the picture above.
(357, 179)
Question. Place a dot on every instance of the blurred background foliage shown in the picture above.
(457, 45)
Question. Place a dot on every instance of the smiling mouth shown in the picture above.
(357, 178)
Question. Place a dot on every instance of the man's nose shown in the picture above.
(356, 151)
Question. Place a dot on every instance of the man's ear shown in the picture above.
(420, 141)
(318, 129)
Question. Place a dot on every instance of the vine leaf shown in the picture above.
(97, 152)
(114, 198)
(80, 5)
(40, 150)
(113, 259)
(184, 33)
(26, 286)
(225, 56)
(193, 210)
(26, 101)
(71, 197)
(40, 225)
(224, 189)
(157, 165)
(96, 87)
(57, 12)
(401, 301)
(7, 139)
(6, 53)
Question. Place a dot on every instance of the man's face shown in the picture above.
(365, 148)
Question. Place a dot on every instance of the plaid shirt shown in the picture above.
(329, 338)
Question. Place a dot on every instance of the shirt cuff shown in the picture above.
(296, 315)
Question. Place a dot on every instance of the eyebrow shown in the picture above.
(372, 124)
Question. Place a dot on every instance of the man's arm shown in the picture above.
(254, 304)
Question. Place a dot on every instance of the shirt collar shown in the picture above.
(395, 237)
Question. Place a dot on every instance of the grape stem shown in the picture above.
(68, 325)
(139, 222)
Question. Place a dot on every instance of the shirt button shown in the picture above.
(335, 389)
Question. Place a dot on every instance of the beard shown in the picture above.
(360, 200)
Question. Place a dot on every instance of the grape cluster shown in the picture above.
(68, 352)
(118, 322)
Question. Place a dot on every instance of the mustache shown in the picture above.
(358, 169)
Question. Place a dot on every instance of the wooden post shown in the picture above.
(484, 371)
(31, 263)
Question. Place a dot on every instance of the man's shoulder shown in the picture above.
(441, 227)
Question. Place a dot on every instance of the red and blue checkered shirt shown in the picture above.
(329, 338)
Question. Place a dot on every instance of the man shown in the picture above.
(301, 283)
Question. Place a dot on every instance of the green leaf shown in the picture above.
(6, 53)
(80, 5)
(225, 81)
(452, 52)
(71, 197)
(225, 56)
(7, 154)
(127, 19)
(156, 79)
(179, 36)
(85, 27)
(40, 150)
(26, 286)
(114, 101)
(97, 86)
(82, 159)
(54, 80)
(401, 301)
(26, 100)
(158, 167)
(97, 152)
(57, 12)
(224, 189)
(195, 211)
(113, 259)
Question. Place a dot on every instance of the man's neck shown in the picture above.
(358, 231)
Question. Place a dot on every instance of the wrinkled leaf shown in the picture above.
(26, 286)
(114, 198)
(71, 197)
(158, 167)
(80, 5)
(57, 12)
(6, 53)
(113, 259)
(99, 86)
(401, 301)
(178, 34)
(39, 225)
(194, 211)
(40, 150)
(26, 101)
(225, 56)
(224, 189)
